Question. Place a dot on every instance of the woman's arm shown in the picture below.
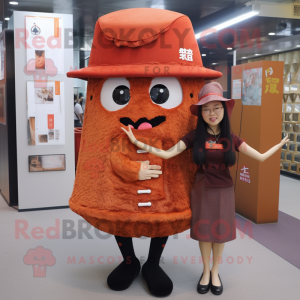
(166, 154)
(81, 118)
(249, 151)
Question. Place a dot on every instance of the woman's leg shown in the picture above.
(217, 249)
(205, 249)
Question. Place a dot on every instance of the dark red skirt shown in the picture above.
(213, 212)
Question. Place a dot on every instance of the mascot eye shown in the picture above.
(115, 93)
(159, 94)
(166, 92)
(121, 94)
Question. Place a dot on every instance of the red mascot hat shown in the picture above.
(159, 43)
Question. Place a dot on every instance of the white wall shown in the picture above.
(43, 189)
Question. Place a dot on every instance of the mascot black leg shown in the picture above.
(123, 275)
(159, 283)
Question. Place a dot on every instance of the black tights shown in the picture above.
(156, 248)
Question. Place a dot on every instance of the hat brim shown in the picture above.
(229, 103)
(144, 70)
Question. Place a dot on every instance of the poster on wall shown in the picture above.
(236, 89)
(42, 163)
(45, 44)
(46, 113)
(2, 105)
(252, 86)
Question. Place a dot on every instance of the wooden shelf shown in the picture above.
(290, 157)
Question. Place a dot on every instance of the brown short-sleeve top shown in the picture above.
(216, 174)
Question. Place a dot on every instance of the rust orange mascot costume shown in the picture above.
(145, 70)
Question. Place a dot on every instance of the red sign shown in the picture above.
(50, 121)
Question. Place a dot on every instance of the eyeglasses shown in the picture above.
(216, 110)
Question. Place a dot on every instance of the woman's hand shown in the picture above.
(130, 134)
(285, 140)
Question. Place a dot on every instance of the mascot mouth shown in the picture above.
(143, 123)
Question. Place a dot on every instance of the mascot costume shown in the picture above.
(145, 70)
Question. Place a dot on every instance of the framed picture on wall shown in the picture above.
(252, 87)
(51, 162)
(2, 105)
(45, 39)
(46, 113)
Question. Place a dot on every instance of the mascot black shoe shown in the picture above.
(122, 276)
(158, 282)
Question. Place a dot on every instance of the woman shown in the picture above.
(81, 100)
(212, 194)
(78, 112)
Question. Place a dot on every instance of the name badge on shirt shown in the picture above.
(213, 145)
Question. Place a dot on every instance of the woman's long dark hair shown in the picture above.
(199, 151)
(75, 99)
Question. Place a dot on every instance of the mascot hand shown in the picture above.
(148, 171)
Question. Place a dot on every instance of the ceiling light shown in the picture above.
(158, 4)
(203, 54)
(82, 48)
(256, 54)
(229, 48)
(244, 57)
(214, 63)
(271, 33)
(298, 46)
(6, 19)
(276, 50)
(230, 22)
(13, 3)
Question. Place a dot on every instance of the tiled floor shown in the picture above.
(81, 265)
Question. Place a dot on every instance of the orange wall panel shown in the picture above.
(260, 127)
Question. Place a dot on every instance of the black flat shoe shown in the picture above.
(203, 289)
(217, 290)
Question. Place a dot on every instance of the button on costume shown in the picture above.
(145, 70)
